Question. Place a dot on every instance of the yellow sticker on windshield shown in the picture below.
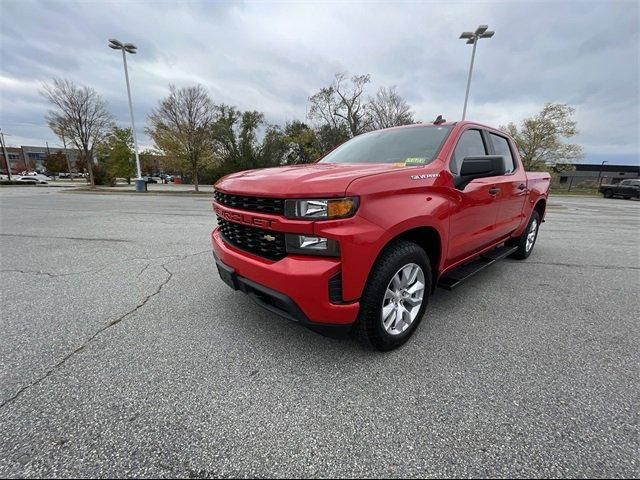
(415, 161)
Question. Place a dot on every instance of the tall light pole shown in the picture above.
(600, 173)
(472, 39)
(132, 49)
(4, 153)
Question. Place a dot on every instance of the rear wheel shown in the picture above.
(395, 296)
(608, 193)
(527, 240)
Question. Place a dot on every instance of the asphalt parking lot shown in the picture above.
(124, 354)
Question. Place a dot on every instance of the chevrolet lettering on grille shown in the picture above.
(243, 218)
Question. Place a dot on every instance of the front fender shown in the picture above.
(381, 219)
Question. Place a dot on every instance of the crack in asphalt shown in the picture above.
(87, 239)
(102, 267)
(583, 265)
(143, 270)
(27, 272)
(104, 328)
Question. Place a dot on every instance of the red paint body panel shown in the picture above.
(467, 221)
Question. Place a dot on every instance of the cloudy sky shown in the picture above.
(271, 56)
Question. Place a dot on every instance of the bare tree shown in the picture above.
(80, 115)
(389, 109)
(181, 127)
(540, 138)
(342, 103)
(59, 132)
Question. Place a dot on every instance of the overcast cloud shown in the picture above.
(272, 56)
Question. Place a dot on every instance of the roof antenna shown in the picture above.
(439, 120)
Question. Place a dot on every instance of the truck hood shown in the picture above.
(326, 179)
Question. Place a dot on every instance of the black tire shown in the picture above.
(608, 193)
(521, 242)
(369, 328)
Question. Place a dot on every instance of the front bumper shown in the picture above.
(296, 287)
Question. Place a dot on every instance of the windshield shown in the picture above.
(406, 146)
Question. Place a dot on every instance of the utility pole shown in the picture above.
(6, 157)
(66, 155)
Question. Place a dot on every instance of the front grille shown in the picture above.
(252, 204)
(254, 240)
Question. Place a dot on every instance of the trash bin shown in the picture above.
(141, 185)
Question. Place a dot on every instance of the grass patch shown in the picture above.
(582, 191)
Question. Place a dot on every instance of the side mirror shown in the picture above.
(479, 167)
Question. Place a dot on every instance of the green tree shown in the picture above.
(301, 143)
(540, 138)
(330, 137)
(181, 128)
(116, 151)
(236, 142)
(148, 161)
(55, 162)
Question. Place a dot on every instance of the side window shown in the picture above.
(501, 147)
(469, 145)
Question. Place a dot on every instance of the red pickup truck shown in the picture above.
(360, 239)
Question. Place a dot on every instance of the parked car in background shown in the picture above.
(33, 179)
(629, 188)
(149, 179)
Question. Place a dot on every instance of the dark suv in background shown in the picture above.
(629, 188)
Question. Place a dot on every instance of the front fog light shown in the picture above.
(312, 245)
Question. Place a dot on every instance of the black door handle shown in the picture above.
(494, 190)
(522, 186)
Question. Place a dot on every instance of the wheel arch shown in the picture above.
(541, 208)
(429, 239)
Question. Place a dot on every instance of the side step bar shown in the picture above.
(457, 276)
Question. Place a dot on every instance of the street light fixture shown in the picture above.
(132, 49)
(600, 173)
(472, 39)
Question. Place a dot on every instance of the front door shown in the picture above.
(475, 208)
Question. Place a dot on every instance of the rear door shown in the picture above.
(512, 187)
(472, 223)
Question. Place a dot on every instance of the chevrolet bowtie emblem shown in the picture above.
(269, 238)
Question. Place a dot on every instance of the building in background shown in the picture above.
(585, 174)
(30, 158)
(15, 160)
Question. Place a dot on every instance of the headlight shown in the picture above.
(311, 245)
(321, 209)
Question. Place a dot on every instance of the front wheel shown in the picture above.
(395, 296)
(608, 193)
(527, 240)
